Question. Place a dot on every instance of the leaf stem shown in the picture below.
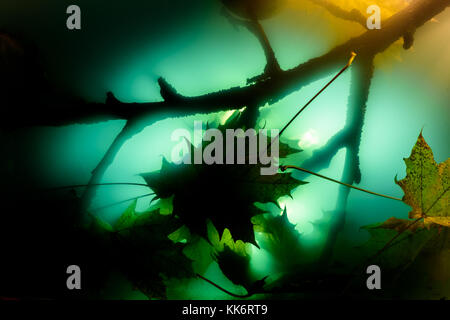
(284, 168)
(349, 63)
(123, 201)
(353, 55)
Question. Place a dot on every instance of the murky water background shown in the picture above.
(124, 48)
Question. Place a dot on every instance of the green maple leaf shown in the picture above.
(233, 258)
(223, 194)
(281, 239)
(417, 262)
(234, 261)
(426, 185)
(426, 188)
(405, 249)
(396, 244)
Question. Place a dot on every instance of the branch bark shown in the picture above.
(269, 90)
(357, 104)
(255, 27)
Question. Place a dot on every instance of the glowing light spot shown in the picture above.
(310, 138)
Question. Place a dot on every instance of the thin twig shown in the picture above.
(283, 168)
(123, 201)
(349, 63)
(378, 253)
(75, 186)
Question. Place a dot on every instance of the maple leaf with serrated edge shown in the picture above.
(426, 185)
(281, 239)
(223, 194)
(396, 243)
(410, 239)
(411, 255)
(233, 258)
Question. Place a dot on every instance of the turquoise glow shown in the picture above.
(209, 54)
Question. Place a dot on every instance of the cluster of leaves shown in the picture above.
(217, 203)
(155, 246)
(222, 194)
(51, 234)
(212, 202)
(140, 248)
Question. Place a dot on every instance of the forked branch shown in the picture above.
(269, 91)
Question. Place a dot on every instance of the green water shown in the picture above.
(198, 51)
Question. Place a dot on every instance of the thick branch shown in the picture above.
(357, 103)
(272, 66)
(281, 84)
(356, 16)
(127, 132)
(269, 91)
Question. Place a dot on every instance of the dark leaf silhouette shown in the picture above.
(141, 250)
(224, 194)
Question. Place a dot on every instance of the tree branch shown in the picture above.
(269, 91)
(357, 103)
(273, 89)
(127, 132)
(255, 27)
(352, 15)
